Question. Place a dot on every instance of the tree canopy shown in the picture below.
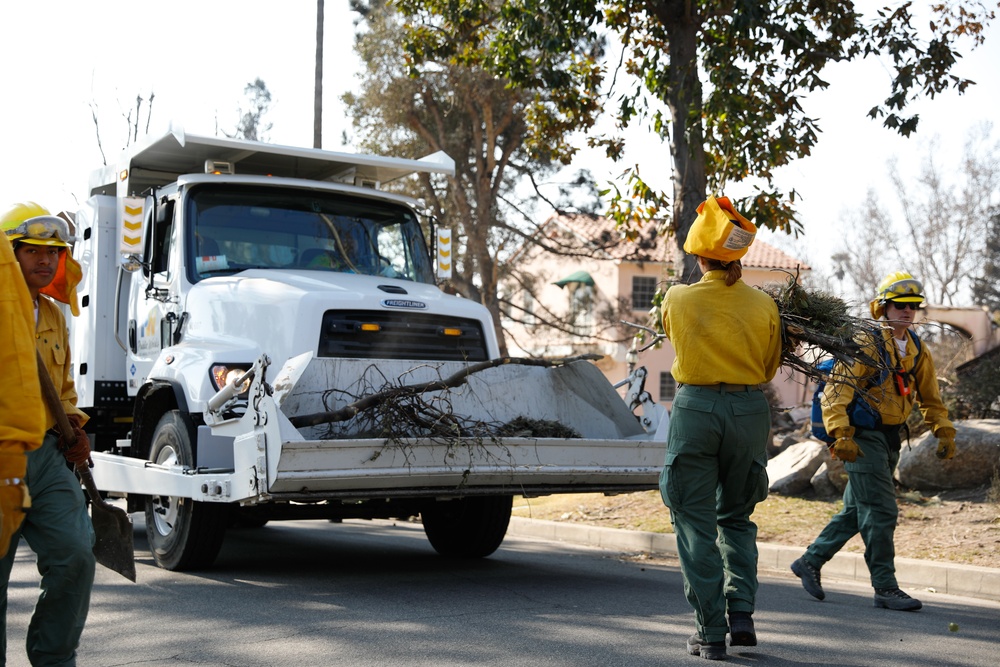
(251, 124)
(721, 81)
(411, 110)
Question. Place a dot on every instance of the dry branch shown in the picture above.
(397, 394)
(816, 324)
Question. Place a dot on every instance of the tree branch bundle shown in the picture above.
(398, 394)
(816, 324)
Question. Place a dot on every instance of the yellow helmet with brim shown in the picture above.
(899, 287)
(33, 224)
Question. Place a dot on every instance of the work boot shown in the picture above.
(893, 598)
(809, 575)
(707, 650)
(741, 632)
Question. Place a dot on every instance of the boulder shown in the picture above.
(801, 415)
(781, 442)
(783, 422)
(790, 471)
(837, 473)
(830, 479)
(977, 457)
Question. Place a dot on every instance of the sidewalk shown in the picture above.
(950, 578)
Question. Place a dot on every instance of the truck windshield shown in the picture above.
(231, 228)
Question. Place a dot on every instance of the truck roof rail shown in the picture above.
(160, 160)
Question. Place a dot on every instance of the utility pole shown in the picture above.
(318, 99)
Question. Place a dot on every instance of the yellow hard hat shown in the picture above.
(719, 232)
(898, 286)
(32, 223)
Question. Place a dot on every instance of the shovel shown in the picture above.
(114, 547)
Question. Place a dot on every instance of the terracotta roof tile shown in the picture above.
(765, 256)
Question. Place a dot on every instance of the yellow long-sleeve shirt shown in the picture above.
(22, 416)
(722, 334)
(892, 407)
(52, 341)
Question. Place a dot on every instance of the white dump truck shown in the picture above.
(261, 338)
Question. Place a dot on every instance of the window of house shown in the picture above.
(643, 289)
(581, 306)
(667, 387)
(529, 310)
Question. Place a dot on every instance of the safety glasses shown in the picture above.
(907, 287)
(904, 306)
(41, 228)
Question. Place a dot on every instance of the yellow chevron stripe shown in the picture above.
(133, 210)
(444, 267)
(443, 252)
(132, 240)
(132, 225)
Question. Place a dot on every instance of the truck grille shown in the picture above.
(403, 335)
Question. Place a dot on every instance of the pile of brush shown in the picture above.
(816, 324)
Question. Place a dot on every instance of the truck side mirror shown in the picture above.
(165, 212)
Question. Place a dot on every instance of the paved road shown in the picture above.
(360, 595)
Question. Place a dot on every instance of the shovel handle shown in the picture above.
(65, 428)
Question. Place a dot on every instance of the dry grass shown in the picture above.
(959, 527)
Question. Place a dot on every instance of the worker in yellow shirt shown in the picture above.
(869, 441)
(727, 340)
(58, 528)
(22, 416)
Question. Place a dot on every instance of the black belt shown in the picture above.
(725, 387)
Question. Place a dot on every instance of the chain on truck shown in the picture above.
(232, 288)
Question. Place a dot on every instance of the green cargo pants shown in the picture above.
(59, 531)
(869, 508)
(714, 475)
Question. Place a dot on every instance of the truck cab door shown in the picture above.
(152, 301)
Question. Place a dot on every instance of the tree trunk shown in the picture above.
(687, 136)
(318, 91)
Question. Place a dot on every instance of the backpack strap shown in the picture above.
(916, 360)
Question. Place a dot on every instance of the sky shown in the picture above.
(62, 59)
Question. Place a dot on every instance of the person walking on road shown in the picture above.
(22, 417)
(870, 453)
(727, 340)
(57, 528)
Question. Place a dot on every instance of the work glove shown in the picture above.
(14, 497)
(946, 448)
(76, 449)
(846, 450)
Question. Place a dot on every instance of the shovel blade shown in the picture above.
(114, 548)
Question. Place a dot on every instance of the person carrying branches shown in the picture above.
(870, 450)
(728, 340)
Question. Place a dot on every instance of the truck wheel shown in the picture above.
(467, 527)
(183, 534)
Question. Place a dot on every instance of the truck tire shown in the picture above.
(470, 527)
(183, 534)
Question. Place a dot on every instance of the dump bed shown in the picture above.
(260, 456)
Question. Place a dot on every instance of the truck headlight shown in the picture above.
(224, 374)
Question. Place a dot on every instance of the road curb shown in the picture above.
(950, 578)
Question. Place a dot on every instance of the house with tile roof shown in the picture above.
(600, 278)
